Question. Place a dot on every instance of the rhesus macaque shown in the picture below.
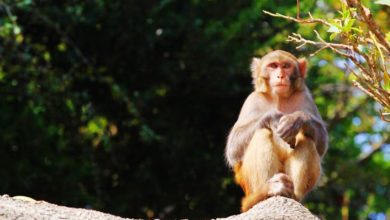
(276, 145)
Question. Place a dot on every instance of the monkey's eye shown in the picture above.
(286, 65)
(273, 65)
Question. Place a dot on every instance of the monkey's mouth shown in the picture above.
(282, 85)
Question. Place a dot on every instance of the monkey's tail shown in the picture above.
(250, 200)
(239, 178)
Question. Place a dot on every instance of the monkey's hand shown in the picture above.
(291, 124)
(269, 119)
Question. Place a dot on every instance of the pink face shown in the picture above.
(280, 74)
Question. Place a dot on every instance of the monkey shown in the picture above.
(276, 145)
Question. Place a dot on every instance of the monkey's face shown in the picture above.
(282, 74)
(278, 73)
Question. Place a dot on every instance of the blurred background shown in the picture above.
(125, 106)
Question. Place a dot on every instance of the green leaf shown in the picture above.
(343, 8)
(388, 36)
(61, 47)
(386, 80)
(363, 48)
(70, 105)
(346, 14)
(357, 30)
(348, 23)
(46, 56)
(332, 36)
(383, 2)
(24, 3)
(16, 30)
(2, 74)
(334, 29)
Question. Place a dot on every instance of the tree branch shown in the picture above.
(299, 20)
(371, 65)
(371, 24)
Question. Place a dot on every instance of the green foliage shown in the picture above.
(344, 24)
(383, 2)
(124, 106)
(363, 43)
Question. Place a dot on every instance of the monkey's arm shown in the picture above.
(249, 119)
(238, 139)
(311, 124)
(320, 135)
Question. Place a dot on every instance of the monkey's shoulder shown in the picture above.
(260, 98)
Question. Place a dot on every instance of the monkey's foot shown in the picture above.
(280, 185)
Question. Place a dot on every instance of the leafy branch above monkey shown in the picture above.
(360, 39)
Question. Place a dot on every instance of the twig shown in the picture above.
(384, 116)
(317, 51)
(371, 24)
(299, 20)
(299, 39)
(370, 71)
(368, 90)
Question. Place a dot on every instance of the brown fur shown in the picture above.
(269, 155)
(272, 157)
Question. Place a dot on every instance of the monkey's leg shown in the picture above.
(303, 166)
(260, 163)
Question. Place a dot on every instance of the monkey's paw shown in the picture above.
(280, 185)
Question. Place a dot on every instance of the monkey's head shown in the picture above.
(279, 73)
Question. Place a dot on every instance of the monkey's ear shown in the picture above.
(260, 85)
(255, 65)
(302, 64)
(258, 81)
